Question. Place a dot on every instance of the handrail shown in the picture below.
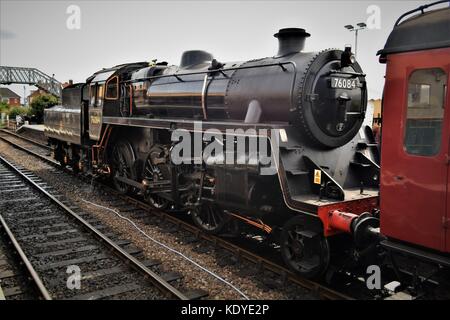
(421, 8)
(221, 70)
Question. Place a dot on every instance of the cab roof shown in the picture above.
(427, 30)
(106, 73)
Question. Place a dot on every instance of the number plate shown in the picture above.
(343, 83)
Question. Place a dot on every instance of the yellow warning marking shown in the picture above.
(317, 176)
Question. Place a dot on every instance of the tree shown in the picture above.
(40, 103)
(4, 107)
(16, 111)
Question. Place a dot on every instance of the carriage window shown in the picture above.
(425, 113)
(112, 89)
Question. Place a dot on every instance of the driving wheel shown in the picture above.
(156, 169)
(304, 248)
(122, 166)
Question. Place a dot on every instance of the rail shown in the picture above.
(31, 271)
(154, 278)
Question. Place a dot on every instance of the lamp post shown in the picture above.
(360, 26)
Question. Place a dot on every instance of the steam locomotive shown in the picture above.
(280, 144)
(296, 154)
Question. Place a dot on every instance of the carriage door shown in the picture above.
(447, 222)
(426, 150)
(425, 144)
(415, 149)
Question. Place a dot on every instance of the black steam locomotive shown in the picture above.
(294, 154)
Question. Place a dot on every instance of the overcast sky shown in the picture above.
(35, 33)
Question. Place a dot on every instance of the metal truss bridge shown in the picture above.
(30, 76)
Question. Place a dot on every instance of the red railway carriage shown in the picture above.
(415, 175)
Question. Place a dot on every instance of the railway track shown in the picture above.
(30, 146)
(55, 239)
(17, 279)
(240, 254)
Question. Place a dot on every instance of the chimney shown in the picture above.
(290, 40)
(70, 82)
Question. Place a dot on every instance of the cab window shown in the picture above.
(92, 94)
(112, 89)
(425, 111)
(99, 96)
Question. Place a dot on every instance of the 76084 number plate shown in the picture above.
(343, 83)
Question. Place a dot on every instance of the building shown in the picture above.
(376, 103)
(10, 97)
(34, 94)
(375, 106)
(66, 84)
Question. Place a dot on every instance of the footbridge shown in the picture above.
(30, 76)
